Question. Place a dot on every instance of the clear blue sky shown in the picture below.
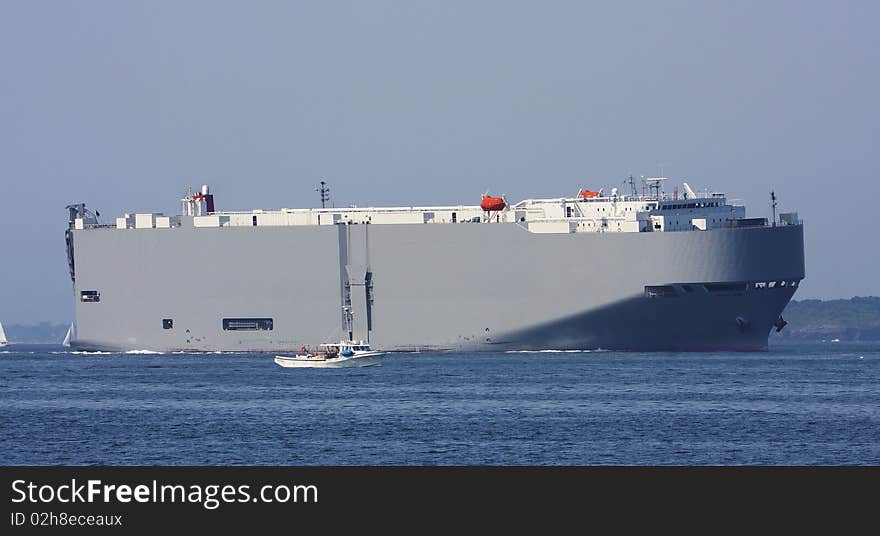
(122, 104)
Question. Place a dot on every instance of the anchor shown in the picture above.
(780, 323)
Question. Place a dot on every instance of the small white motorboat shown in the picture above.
(337, 355)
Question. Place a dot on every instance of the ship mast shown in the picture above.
(324, 190)
(632, 185)
(773, 206)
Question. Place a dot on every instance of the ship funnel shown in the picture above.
(209, 199)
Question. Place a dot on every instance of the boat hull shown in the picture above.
(366, 360)
(474, 287)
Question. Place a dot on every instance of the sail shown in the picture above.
(2, 335)
(69, 336)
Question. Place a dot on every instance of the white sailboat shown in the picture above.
(71, 335)
(3, 341)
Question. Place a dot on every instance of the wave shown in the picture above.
(142, 352)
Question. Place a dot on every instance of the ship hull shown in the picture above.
(433, 287)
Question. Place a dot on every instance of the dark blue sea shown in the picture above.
(798, 404)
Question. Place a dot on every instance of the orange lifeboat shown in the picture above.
(490, 203)
(587, 194)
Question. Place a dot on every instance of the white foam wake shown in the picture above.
(554, 351)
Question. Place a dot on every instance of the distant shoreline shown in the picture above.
(853, 319)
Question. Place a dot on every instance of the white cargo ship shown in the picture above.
(635, 271)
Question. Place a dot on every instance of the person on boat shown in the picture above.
(304, 350)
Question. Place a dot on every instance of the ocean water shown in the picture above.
(798, 404)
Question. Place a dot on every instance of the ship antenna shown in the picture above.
(773, 206)
(324, 190)
(632, 185)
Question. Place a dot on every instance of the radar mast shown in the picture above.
(324, 190)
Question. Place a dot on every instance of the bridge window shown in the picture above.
(167, 323)
(90, 296)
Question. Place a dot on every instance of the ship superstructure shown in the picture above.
(647, 270)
